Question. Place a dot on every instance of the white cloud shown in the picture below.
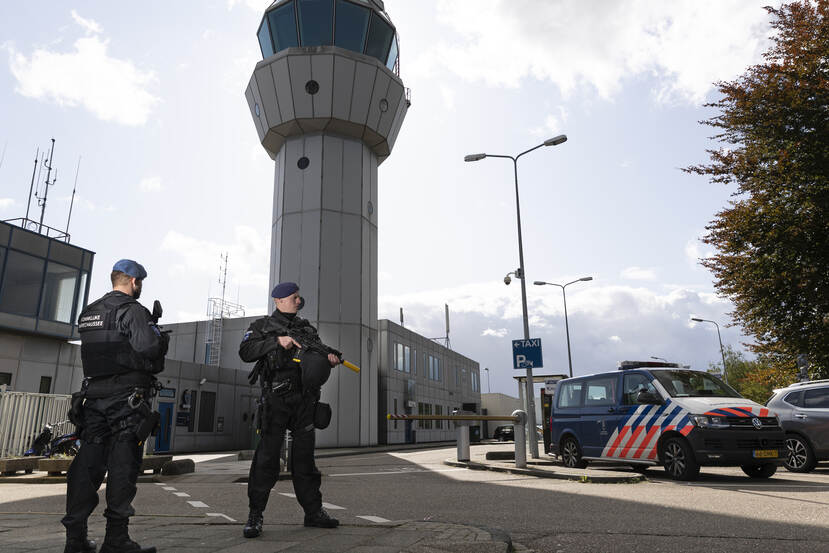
(248, 254)
(91, 26)
(638, 273)
(150, 184)
(685, 44)
(694, 252)
(615, 339)
(6, 203)
(255, 5)
(499, 333)
(112, 89)
(553, 124)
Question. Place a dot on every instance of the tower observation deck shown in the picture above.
(328, 103)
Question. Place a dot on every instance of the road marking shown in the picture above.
(159, 483)
(408, 471)
(182, 494)
(371, 518)
(221, 515)
(169, 488)
(324, 504)
(199, 504)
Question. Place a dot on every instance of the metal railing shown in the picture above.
(23, 415)
(518, 418)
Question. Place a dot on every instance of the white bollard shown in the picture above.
(463, 440)
(520, 438)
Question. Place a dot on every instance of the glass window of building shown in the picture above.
(316, 20)
(407, 359)
(2, 261)
(283, 27)
(21, 284)
(380, 35)
(81, 297)
(352, 26)
(5, 379)
(58, 293)
(45, 384)
(390, 63)
(474, 381)
(265, 42)
(439, 411)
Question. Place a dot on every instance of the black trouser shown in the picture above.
(294, 412)
(108, 446)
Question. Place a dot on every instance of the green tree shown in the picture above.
(772, 240)
(754, 379)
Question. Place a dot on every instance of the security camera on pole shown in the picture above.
(328, 103)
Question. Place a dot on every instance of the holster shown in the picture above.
(322, 415)
(148, 426)
(75, 414)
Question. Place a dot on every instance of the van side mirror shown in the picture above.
(648, 398)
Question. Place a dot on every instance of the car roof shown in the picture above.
(802, 385)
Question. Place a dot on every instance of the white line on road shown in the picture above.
(199, 504)
(182, 494)
(394, 472)
(371, 518)
(159, 483)
(221, 515)
(169, 488)
(326, 505)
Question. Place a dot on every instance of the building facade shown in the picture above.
(418, 376)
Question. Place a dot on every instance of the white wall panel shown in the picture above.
(322, 71)
(343, 87)
(300, 70)
(364, 77)
(282, 80)
(267, 92)
(332, 178)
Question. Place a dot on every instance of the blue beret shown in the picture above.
(130, 268)
(284, 289)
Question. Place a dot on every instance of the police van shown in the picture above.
(651, 413)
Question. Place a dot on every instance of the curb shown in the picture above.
(585, 478)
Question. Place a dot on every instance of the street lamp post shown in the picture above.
(555, 141)
(566, 324)
(719, 337)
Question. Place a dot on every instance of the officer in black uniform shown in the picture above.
(290, 400)
(121, 349)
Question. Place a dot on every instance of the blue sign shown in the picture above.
(527, 354)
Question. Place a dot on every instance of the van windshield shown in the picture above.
(693, 384)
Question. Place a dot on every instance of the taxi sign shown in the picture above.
(526, 354)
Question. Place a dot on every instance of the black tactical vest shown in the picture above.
(104, 350)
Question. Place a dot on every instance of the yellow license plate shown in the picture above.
(765, 453)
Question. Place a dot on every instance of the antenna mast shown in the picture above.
(217, 310)
(31, 188)
(42, 201)
(72, 202)
(3, 155)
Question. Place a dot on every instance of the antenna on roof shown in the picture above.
(72, 201)
(445, 339)
(42, 201)
(401, 317)
(3, 155)
(31, 187)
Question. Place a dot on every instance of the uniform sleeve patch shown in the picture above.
(247, 335)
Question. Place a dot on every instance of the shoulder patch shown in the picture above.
(247, 335)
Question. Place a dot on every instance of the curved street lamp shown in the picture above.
(566, 324)
(555, 141)
(719, 337)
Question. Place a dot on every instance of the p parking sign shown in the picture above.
(527, 354)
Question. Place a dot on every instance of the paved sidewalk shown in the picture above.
(36, 533)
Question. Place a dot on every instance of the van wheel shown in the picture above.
(799, 456)
(571, 454)
(760, 471)
(679, 460)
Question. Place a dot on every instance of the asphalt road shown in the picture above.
(723, 511)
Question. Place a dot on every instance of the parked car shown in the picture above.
(649, 413)
(803, 409)
(504, 434)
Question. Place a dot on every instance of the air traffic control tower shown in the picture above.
(328, 103)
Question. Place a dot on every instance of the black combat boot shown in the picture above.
(77, 542)
(321, 519)
(117, 540)
(253, 527)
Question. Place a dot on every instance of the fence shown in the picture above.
(23, 415)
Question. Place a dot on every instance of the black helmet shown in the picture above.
(315, 369)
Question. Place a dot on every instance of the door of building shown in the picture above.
(165, 429)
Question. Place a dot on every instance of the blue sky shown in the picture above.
(150, 95)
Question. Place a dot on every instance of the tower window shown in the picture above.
(352, 26)
(316, 18)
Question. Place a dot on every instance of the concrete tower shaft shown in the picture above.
(328, 104)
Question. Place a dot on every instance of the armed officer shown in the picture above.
(121, 349)
(291, 365)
